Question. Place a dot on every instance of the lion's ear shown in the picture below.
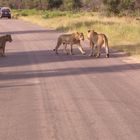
(76, 33)
(89, 31)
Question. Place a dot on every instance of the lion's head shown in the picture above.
(91, 33)
(79, 36)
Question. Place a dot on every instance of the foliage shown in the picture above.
(54, 3)
(25, 12)
(117, 6)
(126, 37)
(41, 4)
(52, 14)
(71, 4)
(111, 6)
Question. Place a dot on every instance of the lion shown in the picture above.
(3, 40)
(74, 38)
(97, 41)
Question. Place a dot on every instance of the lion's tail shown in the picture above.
(106, 46)
(59, 42)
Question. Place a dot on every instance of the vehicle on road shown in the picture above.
(5, 12)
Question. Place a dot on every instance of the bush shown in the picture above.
(71, 4)
(117, 6)
(52, 14)
(54, 3)
(27, 12)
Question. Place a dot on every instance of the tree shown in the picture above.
(71, 4)
(54, 3)
(116, 6)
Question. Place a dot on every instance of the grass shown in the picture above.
(123, 32)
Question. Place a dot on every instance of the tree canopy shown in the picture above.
(112, 5)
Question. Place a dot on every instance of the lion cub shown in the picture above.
(97, 41)
(74, 38)
(3, 40)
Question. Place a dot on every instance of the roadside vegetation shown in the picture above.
(118, 19)
(123, 32)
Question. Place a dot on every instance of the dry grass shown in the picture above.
(123, 33)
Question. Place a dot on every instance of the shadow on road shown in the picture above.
(16, 59)
(28, 32)
(15, 85)
(47, 56)
(67, 71)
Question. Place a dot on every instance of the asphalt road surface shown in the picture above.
(44, 96)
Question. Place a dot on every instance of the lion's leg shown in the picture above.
(91, 52)
(107, 51)
(3, 51)
(92, 48)
(81, 49)
(65, 49)
(71, 49)
(98, 51)
(0, 51)
(95, 50)
(106, 46)
(57, 46)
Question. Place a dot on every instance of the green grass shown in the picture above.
(27, 12)
(123, 32)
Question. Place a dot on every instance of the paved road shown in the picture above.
(44, 96)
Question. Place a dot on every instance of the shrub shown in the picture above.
(117, 6)
(27, 12)
(71, 4)
(54, 3)
(52, 14)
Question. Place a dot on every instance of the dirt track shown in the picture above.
(44, 96)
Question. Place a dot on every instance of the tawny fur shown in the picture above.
(97, 41)
(71, 39)
(3, 40)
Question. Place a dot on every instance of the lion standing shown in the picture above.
(74, 38)
(3, 40)
(97, 41)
